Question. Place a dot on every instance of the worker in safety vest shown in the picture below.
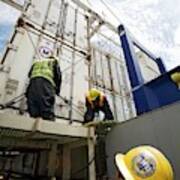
(96, 101)
(143, 163)
(45, 82)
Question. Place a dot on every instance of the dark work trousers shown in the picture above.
(41, 98)
(90, 113)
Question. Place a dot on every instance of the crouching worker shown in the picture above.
(45, 82)
(96, 101)
(141, 163)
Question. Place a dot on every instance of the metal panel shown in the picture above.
(38, 11)
(82, 31)
(69, 31)
(23, 57)
(54, 16)
(158, 128)
(80, 81)
(82, 41)
(107, 76)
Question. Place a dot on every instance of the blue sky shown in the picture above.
(8, 17)
(155, 23)
(5, 30)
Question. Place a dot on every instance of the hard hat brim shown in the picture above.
(121, 165)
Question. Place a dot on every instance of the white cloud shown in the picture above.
(155, 23)
(177, 36)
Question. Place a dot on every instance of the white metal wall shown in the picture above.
(69, 30)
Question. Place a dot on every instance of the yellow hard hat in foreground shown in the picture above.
(176, 78)
(144, 163)
(93, 94)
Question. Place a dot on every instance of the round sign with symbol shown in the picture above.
(45, 51)
(144, 165)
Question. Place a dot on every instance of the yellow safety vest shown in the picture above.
(44, 68)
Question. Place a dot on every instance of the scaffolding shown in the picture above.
(90, 55)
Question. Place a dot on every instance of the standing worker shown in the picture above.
(96, 101)
(45, 82)
(143, 163)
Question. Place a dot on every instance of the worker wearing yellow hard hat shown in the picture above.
(143, 163)
(93, 94)
(96, 101)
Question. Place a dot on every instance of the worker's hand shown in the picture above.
(57, 89)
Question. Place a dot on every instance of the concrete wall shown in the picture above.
(159, 128)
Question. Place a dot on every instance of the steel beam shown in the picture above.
(134, 71)
(13, 4)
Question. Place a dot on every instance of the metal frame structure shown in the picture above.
(156, 93)
(17, 132)
(88, 58)
(95, 23)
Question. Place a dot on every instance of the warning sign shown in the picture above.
(45, 51)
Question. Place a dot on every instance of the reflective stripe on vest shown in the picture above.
(44, 68)
(101, 101)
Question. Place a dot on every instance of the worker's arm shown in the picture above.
(89, 114)
(57, 77)
(107, 110)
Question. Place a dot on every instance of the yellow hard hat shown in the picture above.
(176, 78)
(144, 162)
(93, 94)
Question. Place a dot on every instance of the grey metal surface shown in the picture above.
(159, 128)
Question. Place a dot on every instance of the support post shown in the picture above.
(52, 161)
(91, 155)
(133, 68)
(66, 162)
(140, 93)
(161, 65)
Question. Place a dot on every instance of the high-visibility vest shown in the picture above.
(101, 100)
(44, 68)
